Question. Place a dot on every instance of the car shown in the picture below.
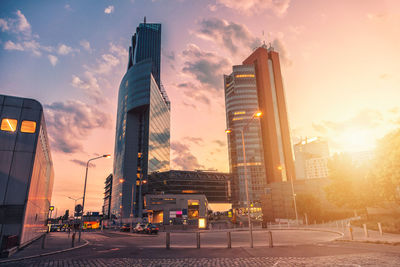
(139, 228)
(125, 228)
(151, 228)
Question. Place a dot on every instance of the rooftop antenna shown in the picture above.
(263, 37)
(144, 20)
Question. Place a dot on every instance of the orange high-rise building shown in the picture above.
(257, 86)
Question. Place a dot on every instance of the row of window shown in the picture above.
(10, 125)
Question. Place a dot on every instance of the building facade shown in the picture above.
(257, 86)
(176, 208)
(142, 141)
(26, 170)
(107, 197)
(312, 155)
(216, 186)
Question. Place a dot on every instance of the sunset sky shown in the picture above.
(340, 64)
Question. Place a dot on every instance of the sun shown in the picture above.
(354, 140)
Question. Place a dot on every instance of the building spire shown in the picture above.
(144, 21)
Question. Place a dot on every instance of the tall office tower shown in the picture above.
(257, 85)
(311, 158)
(142, 143)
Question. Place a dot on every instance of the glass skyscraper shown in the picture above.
(142, 142)
(257, 86)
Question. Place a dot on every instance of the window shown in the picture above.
(9, 125)
(28, 127)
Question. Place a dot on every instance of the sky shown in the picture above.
(340, 62)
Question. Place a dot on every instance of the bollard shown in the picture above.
(365, 230)
(351, 232)
(229, 239)
(380, 228)
(342, 224)
(69, 232)
(44, 240)
(167, 239)
(198, 239)
(73, 240)
(271, 243)
(337, 225)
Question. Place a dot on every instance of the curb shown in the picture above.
(371, 242)
(45, 254)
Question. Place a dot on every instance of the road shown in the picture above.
(294, 248)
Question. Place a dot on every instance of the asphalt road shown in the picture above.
(296, 248)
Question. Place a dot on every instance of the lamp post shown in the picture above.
(74, 199)
(84, 189)
(282, 168)
(255, 115)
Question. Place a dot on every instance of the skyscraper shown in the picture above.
(257, 85)
(142, 141)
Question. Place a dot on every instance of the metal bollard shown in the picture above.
(351, 232)
(198, 239)
(271, 242)
(337, 225)
(73, 240)
(167, 240)
(365, 230)
(229, 240)
(44, 240)
(380, 229)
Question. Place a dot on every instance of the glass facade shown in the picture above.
(142, 143)
(241, 102)
(26, 170)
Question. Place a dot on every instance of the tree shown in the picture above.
(351, 186)
(387, 166)
(66, 215)
(310, 205)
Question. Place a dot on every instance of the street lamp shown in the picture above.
(84, 188)
(282, 168)
(255, 115)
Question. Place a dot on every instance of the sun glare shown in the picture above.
(357, 140)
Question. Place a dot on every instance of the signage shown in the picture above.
(51, 208)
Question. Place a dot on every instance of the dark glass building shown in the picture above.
(142, 141)
(216, 186)
(26, 171)
(107, 197)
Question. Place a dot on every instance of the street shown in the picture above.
(293, 247)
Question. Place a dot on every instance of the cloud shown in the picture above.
(83, 163)
(205, 67)
(237, 39)
(9, 45)
(64, 49)
(220, 143)
(230, 35)
(284, 55)
(109, 10)
(377, 16)
(86, 45)
(89, 85)
(170, 55)
(23, 24)
(184, 160)
(4, 25)
(19, 25)
(71, 122)
(249, 7)
(68, 7)
(53, 59)
(195, 140)
(194, 93)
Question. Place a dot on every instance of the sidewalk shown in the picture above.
(359, 234)
(55, 242)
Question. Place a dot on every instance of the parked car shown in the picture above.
(139, 228)
(125, 228)
(54, 228)
(151, 228)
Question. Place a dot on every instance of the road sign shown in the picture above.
(51, 208)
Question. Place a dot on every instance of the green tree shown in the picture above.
(351, 186)
(310, 205)
(387, 166)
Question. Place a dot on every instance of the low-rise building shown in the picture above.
(26, 171)
(176, 208)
